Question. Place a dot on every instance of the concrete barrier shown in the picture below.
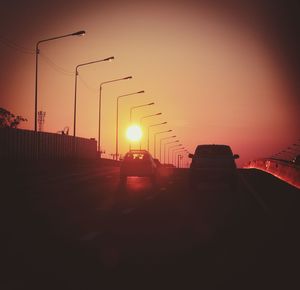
(287, 171)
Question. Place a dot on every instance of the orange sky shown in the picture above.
(211, 72)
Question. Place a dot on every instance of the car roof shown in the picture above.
(213, 148)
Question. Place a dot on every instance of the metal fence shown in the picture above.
(16, 144)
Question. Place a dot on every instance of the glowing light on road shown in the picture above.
(134, 133)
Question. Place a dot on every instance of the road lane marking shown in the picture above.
(255, 194)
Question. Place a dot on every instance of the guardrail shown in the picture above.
(282, 169)
(16, 144)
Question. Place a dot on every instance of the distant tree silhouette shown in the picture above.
(9, 120)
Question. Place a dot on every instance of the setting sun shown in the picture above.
(134, 133)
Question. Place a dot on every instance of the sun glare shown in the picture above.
(134, 133)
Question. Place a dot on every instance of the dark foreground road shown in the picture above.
(74, 227)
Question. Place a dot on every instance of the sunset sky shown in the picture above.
(220, 73)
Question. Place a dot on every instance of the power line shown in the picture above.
(86, 85)
(15, 46)
(55, 66)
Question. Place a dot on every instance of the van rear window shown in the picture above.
(213, 151)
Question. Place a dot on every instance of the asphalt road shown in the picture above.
(72, 226)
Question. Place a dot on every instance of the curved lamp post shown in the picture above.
(160, 142)
(140, 106)
(154, 125)
(117, 120)
(37, 52)
(145, 117)
(155, 134)
(131, 111)
(100, 93)
(176, 141)
(148, 116)
(76, 77)
(175, 152)
(169, 151)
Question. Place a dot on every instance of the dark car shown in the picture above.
(138, 163)
(213, 164)
(157, 162)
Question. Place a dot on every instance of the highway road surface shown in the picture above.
(72, 226)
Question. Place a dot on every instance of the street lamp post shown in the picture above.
(100, 93)
(154, 125)
(155, 134)
(131, 111)
(174, 153)
(160, 142)
(37, 52)
(76, 77)
(117, 120)
(145, 117)
(176, 141)
(140, 106)
(169, 151)
(148, 116)
(186, 157)
(179, 159)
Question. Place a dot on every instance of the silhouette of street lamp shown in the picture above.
(176, 141)
(183, 159)
(186, 157)
(37, 52)
(145, 117)
(176, 151)
(179, 162)
(178, 158)
(148, 116)
(172, 152)
(155, 134)
(117, 120)
(182, 155)
(136, 107)
(76, 77)
(148, 135)
(160, 142)
(100, 97)
(172, 142)
(140, 106)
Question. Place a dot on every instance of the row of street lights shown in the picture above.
(136, 107)
(100, 99)
(289, 153)
(37, 52)
(180, 150)
(117, 120)
(81, 33)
